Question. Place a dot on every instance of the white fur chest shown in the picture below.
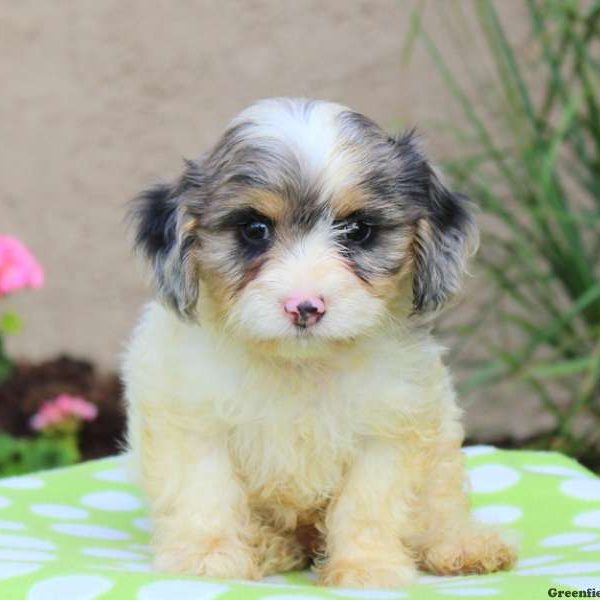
(296, 454)
(290, 432)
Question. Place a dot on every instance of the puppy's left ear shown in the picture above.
(445, 235)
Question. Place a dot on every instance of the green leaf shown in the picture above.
(10, 323)
(561, 368)
(413, 32)
(529, 154)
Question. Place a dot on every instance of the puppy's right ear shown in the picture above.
(165, 236)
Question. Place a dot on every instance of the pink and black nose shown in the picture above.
(305, 311)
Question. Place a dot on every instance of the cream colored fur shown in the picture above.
(363, 442)
(245, 429)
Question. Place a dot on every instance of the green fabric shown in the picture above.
(82, 533)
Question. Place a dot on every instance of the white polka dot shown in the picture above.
(584, 488)
(453, 581)
(112, 553)
(137, 566)
(24, 541)
(13, 569)
(590, 548)
(555, 470)
(433, 578)
(497, 514)
(80, 587)
(262, 582)
(297, 597)
(118, 475)
(22, 483)
(562, 569)
(111, 500)
(473, 591)
(12, 525)
(36, 555)
(538, 560)
(568, 539)
(478, 450)
(367, 594)
(580, 583)
(91, 531)
(590, 518)
(143, 523)
(181, 589)
(492, 478)
(275, 579)
(59, 511)
(4, 502)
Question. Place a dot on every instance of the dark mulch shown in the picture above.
(30, 384)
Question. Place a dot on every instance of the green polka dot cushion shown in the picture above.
(82, 533)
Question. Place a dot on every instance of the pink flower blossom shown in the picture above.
(64, 411)
(18, 267)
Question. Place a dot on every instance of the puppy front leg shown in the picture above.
(201, 520)
(365, 522)
(450, 541)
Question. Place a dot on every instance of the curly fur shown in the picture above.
(244, 430)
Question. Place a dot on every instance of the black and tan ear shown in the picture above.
(164, 234)
(445, 235)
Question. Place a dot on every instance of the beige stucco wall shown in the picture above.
(99, 97)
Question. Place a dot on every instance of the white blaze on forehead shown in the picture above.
(307, 262)
(307, 128)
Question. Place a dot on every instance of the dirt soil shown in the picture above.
(30, 384)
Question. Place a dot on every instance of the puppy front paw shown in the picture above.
(219, 559)
(368, 573)
(479, 550)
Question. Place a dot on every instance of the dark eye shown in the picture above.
(356, 231)
(256, 232)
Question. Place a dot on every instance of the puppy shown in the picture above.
(285, 382)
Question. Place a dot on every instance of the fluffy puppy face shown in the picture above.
(306, 224)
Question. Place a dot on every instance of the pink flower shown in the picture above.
(63, 412)
(18, 267)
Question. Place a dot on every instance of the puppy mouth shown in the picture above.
(306, 332)
(307, 321)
